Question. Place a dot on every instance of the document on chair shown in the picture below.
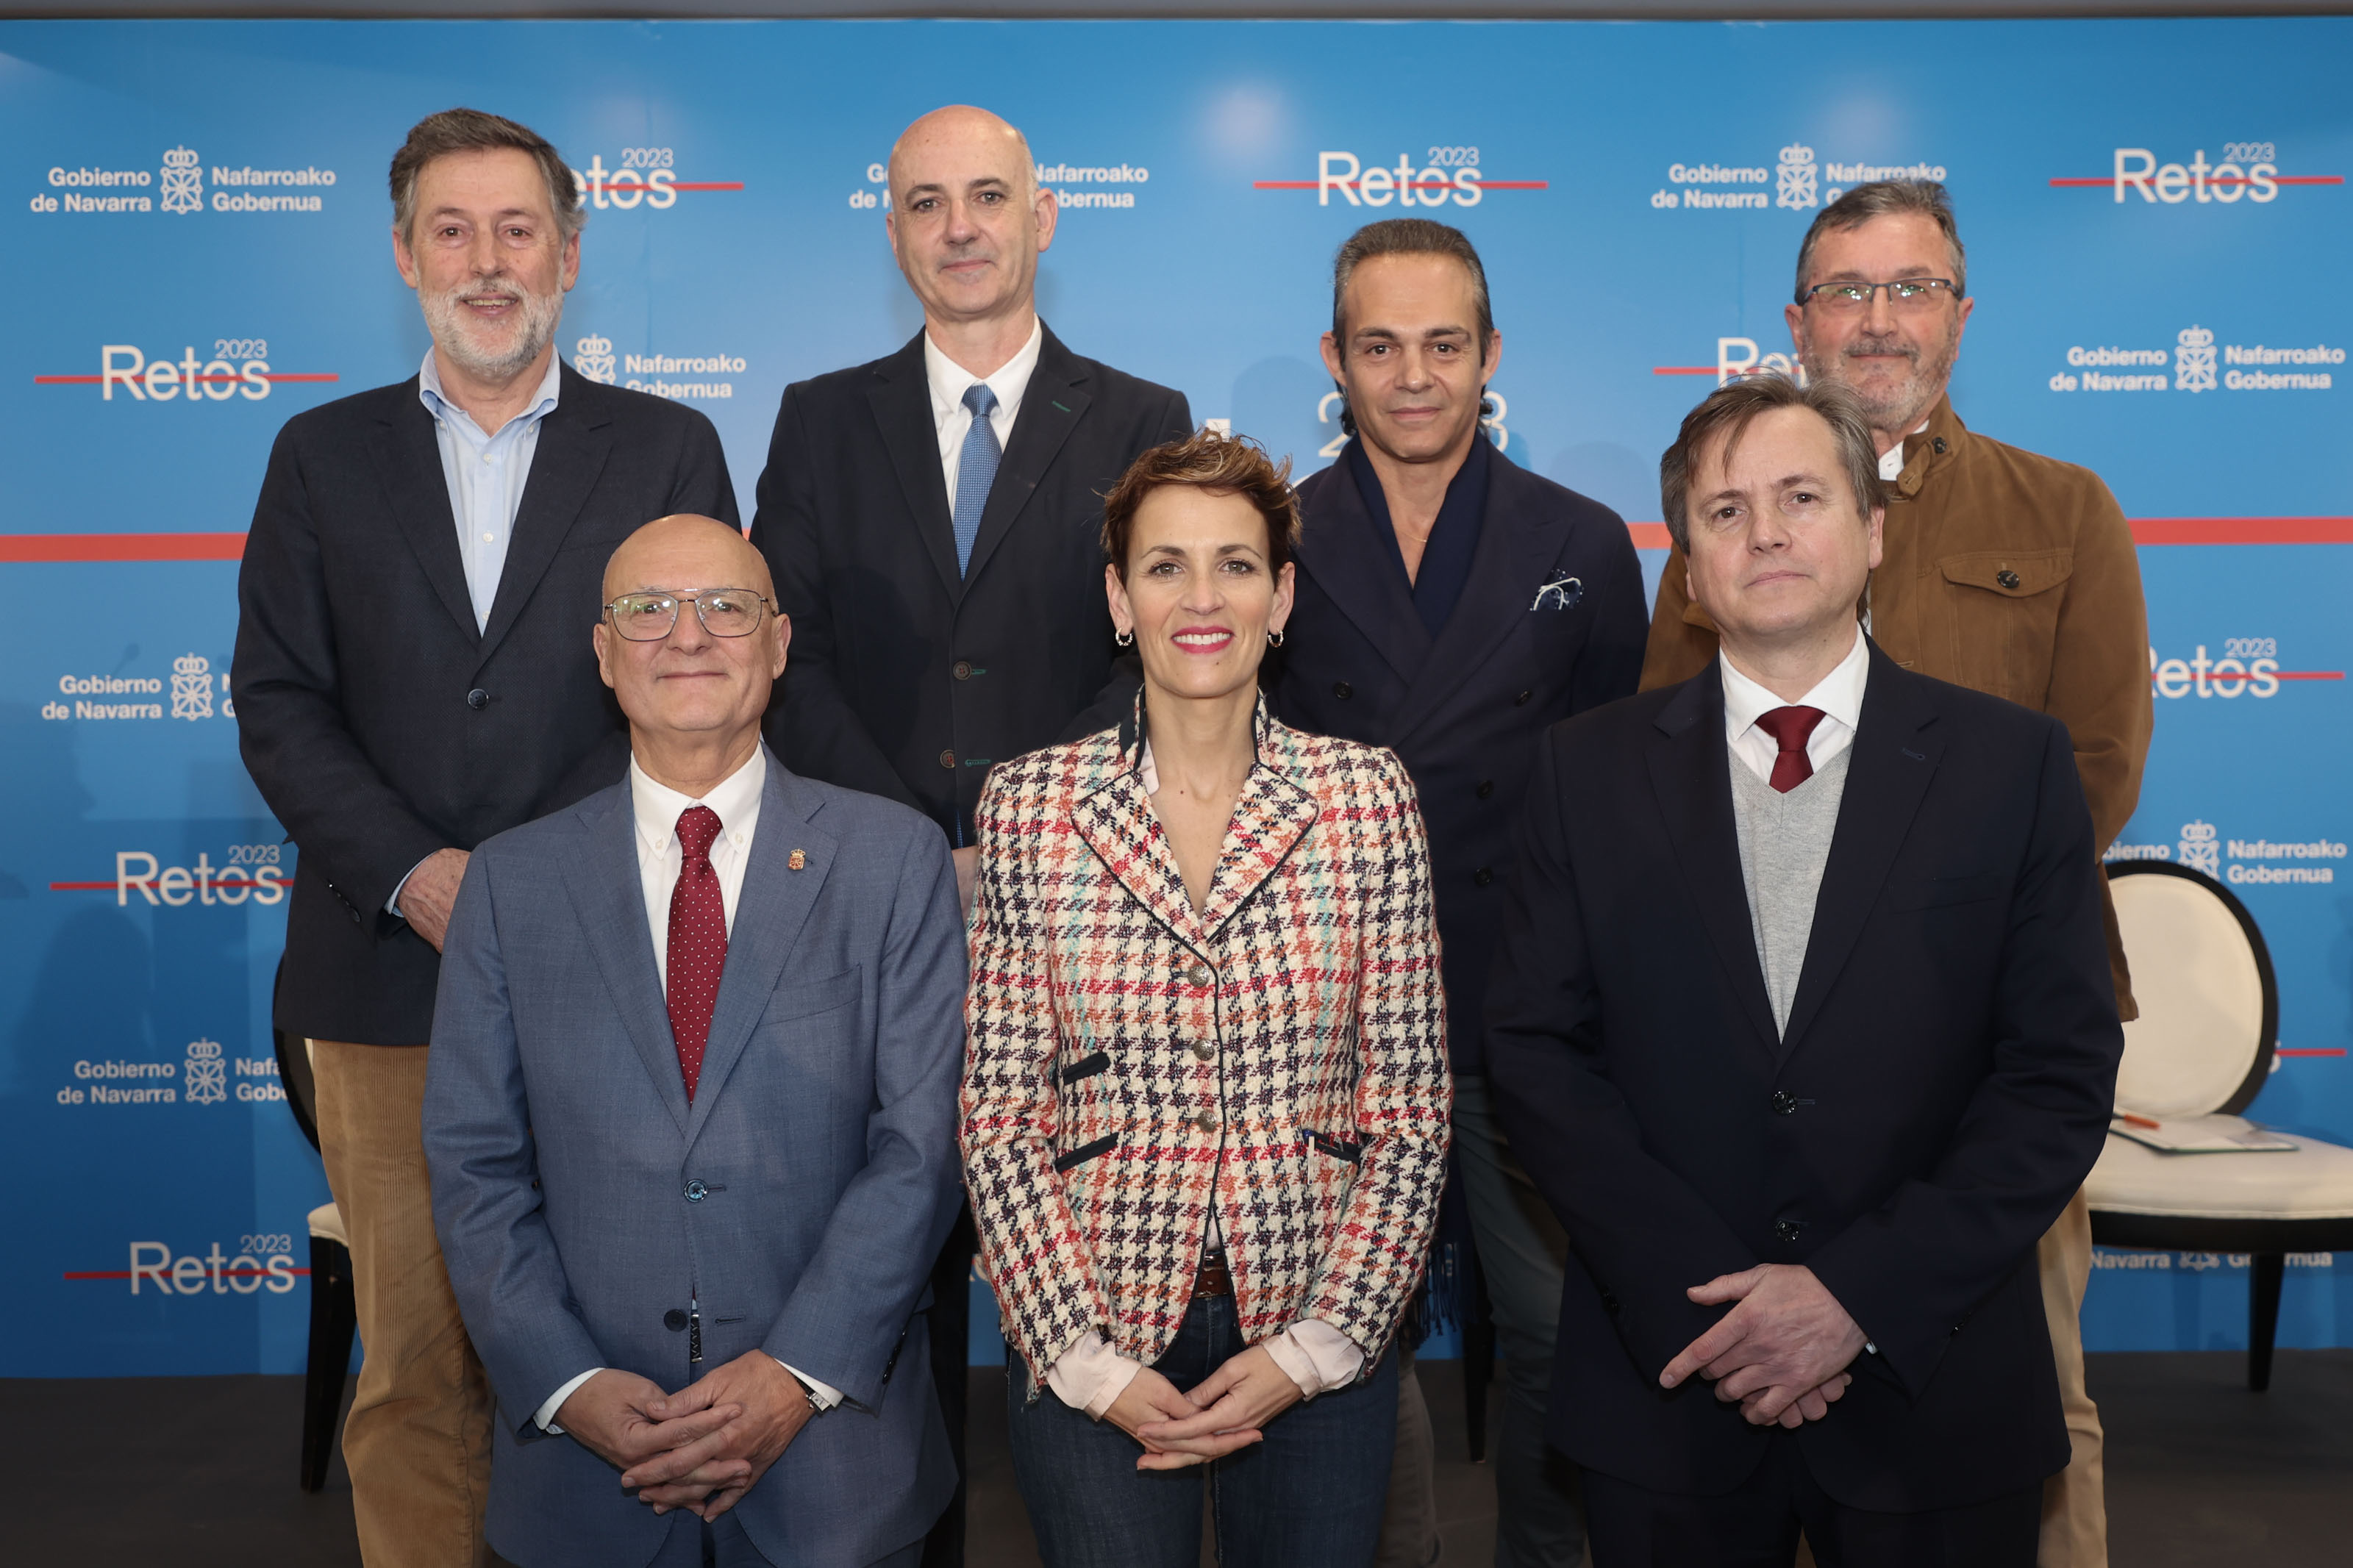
(2200, 1134)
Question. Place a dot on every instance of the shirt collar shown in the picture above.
(657, 806)
(1891, 461)
(949, 381)
(439, 405)
(1838, 694)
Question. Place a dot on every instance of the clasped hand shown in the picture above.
(701, 1449)
(1782, 1352)
(1226, 1412)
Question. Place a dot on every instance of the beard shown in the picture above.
(497, 351)
(1897, 404)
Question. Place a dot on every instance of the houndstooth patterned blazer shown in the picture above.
(1282, 1055)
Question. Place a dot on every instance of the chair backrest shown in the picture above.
(2209, 1003)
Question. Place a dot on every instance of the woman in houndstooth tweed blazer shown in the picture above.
(1206, 1098)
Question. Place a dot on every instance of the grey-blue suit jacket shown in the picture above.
(567, 1161)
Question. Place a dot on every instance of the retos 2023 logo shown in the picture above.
(2247, 171)
(1442, 175)
(238, 370)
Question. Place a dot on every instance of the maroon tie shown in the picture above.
(1790, 728)
(698, 940)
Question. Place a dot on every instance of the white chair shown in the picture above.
(2202, 1048)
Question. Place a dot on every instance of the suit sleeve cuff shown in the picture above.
(544, 1417)
(1091, 1375)
(1318, 1357)
(825, 1393)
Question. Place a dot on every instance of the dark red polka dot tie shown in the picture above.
(698, 940)
(1789, 727)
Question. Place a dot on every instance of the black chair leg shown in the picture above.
(1478, 1373)
(333, 1316)
(2262, 1317)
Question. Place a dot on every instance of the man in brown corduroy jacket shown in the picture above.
(2005, 570)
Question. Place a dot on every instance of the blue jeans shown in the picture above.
(1308, 1496)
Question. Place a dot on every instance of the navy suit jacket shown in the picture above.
(1462, 712)
(910, 677)
(1940, 1092)
(583, 1202)
(376, 720)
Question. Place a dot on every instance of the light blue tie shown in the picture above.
(975, 471)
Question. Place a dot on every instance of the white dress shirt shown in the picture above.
(949, 381)
(486, 476)
(657, 808)
(1091, 1375)
(1838, 694)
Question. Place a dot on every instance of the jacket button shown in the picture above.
(963, 669)
(1787, 1230)
(1197, 974)
(674, 1320)
(1486, 788)
(478, 699)
(947, 759)
(1784, 1102)
(2006, 577)
(1482, 876)
(1940, 445)
(1205, 1052)
(1206, 1121)
(1522, 700)
(696, 1191)
(1343, 690)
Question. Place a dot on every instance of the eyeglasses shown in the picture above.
(723, 612)
(1904, 294)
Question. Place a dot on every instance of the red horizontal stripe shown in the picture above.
(1685, 370)
(226, 880)
(698, 185)
(271, 375)
(23, 547)
(163, 1268)
(2238, 180)
(2308, 1050)
(2303, 675)
(1414, 185)
(2242, 530)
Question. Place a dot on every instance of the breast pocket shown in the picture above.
(2005, 614)
(806, 1004)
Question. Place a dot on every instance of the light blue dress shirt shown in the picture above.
(486, 475)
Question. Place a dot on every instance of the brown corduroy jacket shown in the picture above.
(2004, 571)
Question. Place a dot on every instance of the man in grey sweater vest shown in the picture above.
(1803, 1025)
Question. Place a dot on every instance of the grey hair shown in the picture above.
(1887, 198)
(1728, 412)
(471, 130)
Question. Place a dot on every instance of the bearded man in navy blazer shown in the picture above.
(690, 1118)
(1803, 1023)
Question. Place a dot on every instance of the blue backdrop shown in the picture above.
(195, 231)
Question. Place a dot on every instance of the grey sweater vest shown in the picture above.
(1785, 840)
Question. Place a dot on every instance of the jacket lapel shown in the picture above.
(608, 891)
(902, 399)
(1889, 770)
(1688, 764)
(1113, 817)
(408, 463)
(1273, 816)
(1336, 549)
(770, 912)
(1515, 544)
(573, 446)
(1051, 407)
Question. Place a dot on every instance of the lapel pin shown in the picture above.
(797, 859)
